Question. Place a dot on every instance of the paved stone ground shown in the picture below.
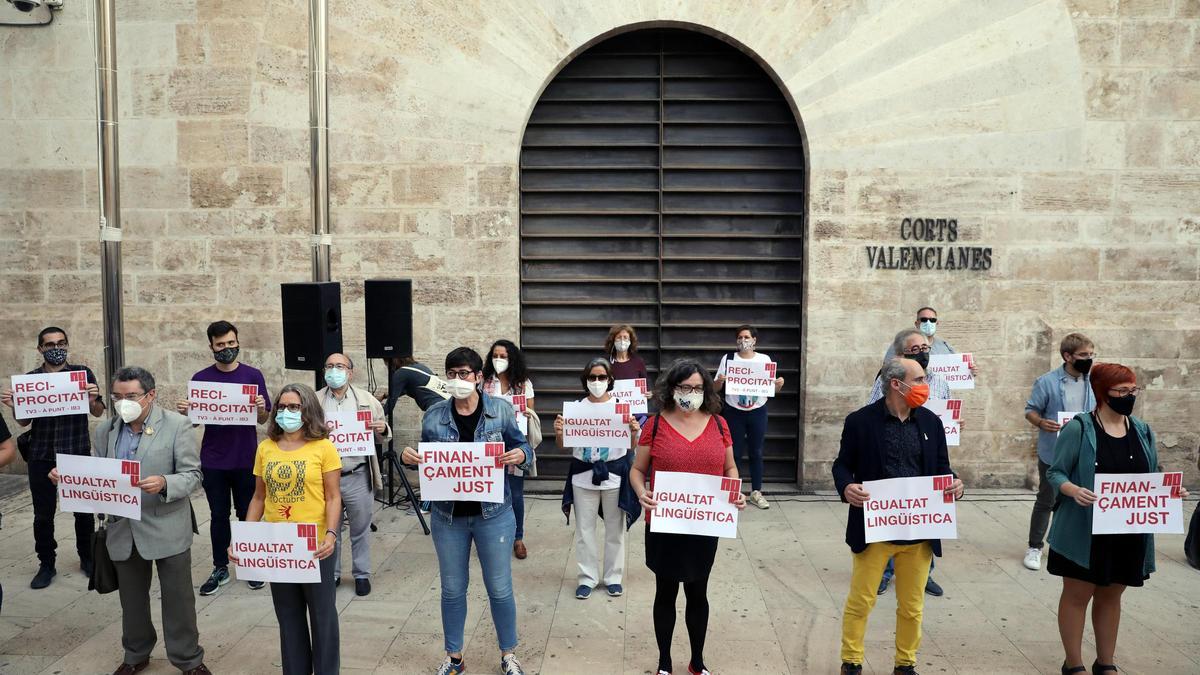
(776, 599)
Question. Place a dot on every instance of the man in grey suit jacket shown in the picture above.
(165, 444)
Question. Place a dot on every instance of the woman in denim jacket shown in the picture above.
(471, 415)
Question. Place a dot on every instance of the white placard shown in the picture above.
(955, 369)
(695, 503)
(99, 485)
(519, 405)
(634, 393)
(350, 432)
(1063, 418)
(596, 425)
(903, 509)
(50, 394)
(222, 403)
(1135, 503)
(750, 378)
(281, 552)
(461, 472)
(949, 411)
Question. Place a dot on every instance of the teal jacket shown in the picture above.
(1075, 461)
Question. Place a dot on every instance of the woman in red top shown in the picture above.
(687, 435)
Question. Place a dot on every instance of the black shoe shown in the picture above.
(88, 567)
(851, 669)
(362, 587)
(44, 574)
(337, 581)
(1076, 669)
(1098, 668)
(932, 588)
(218, 578)
(883, 585)
(904, 670)
(256, 585)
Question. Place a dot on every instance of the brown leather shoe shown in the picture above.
(131, 668)
(519, 550)
(198, 670)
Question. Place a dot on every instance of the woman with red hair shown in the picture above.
(1098, 568)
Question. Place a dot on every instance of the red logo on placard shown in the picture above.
(771, 369)
(1176, 492)
(969, 359)
(364, 416)
(132, 470)
(943, 483)
(518, 402)
(733, 488)
(641, 384)
(251, 391)
(1172, 479)
(954, 406)
(622, 409)
(307, 532)
(493, 449)
(78, 376)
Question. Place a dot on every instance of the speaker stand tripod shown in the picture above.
(391, 466)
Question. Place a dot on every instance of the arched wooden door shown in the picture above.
(662, 185)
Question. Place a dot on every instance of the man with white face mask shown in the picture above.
(166, 446)
(361, 476)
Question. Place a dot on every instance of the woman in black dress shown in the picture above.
(1098, 568)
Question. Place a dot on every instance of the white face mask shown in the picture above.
(621, 346)
(128, 410)
(597, 389)
(689, 402)
(745, 344)
(460, 389)
(928, 328)
(500, 365)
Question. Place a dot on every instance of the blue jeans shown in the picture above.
(493, 543)
(749, 431)
(890, 570)
(516, 487)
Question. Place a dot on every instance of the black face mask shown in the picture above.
(227, 355)
(1122, 405)
(920, 357)
(1082, 365)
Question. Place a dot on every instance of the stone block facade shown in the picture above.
(1062, 134)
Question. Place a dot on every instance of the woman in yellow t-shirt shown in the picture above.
(298, 480)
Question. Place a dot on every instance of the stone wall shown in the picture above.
(1064, 135)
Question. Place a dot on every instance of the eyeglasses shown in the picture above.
(128, 397)
(61, 344)
(1125, 391)
(291, 407)
(919, 349)
(597, 378)
(686, 389)
(459, 374)
(930, 319)
(336, 366)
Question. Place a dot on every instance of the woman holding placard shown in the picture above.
(298, 480)
(747, 415)
(599, 478)
(688, 435)
(504, 376)
(621, 348)
(1098, 567)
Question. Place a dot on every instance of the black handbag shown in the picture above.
(104, 572)
(1191, 545)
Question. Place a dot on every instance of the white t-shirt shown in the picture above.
(744, 402)
(583, 480)
(491, 387)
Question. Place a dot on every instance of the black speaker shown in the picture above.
(312, 323)
(388, 317)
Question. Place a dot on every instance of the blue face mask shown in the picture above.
(928, 328)
(289, 421)
(336, 378)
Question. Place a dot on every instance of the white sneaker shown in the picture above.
(758, 500)
(1033, 559)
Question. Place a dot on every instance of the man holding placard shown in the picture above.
(346, 406)
(893, 438)
(38, 399)
(162, 445)
(466, 443)
(227, 449)
(1065, 389)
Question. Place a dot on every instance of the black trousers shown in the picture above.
(219, 486)
(45, 503)
(308, 625)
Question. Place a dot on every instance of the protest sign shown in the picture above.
(695, 503)
(955, 369)
(902, 509)
(350, 432)
(1135, 503)
(633, 392)
(520, 405)
(100, 485)
(596, 425)
(462, 472)
(50, 394)
(750, 378)
(280, 552)
(222, 403)
(1063, 418)
(949, 411)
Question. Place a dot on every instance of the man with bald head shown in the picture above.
(893, 437)
(360, 475)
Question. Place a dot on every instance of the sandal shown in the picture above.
(1076, 669)
(1098, 668)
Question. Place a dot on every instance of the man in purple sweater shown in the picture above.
(227, 451)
